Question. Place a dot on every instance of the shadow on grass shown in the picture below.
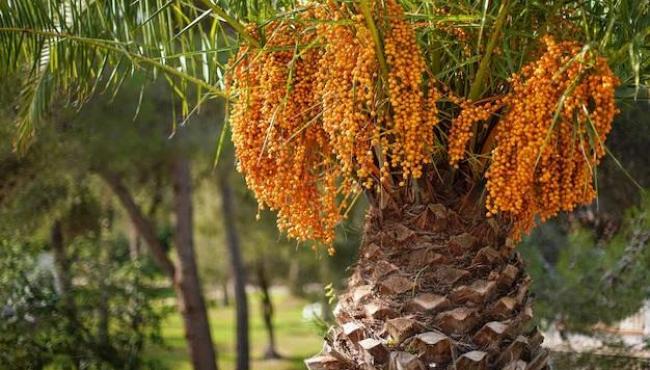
(590, 361)
(293, 362)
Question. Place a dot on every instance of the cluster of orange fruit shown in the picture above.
(280, 147)
(462, 126)
(413, 114)
(312, 126)
(318, 119)
(347, 93)
(560, 110)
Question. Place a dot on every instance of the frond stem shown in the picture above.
(484, 66)
(112, 46)
(374, 32)
(477, 86)
(234, 23)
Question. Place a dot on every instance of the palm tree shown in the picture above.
(433, 110)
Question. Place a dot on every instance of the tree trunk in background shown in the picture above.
(225, 297)
(266, 304)
(62, 268)
(134, 243)
(200, 348)
(186, 278)
(295, 285)
(238, 272)
(143, 225)
(326, 279)
(64, 283)
(433, 290)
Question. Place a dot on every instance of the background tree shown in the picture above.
(49, 319)
(91, 148)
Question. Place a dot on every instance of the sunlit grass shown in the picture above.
(296, 338)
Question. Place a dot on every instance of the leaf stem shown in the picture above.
(113, 47)
(484, 66)
(372, 27)
(477, 86)
(234, 23)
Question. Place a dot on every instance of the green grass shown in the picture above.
(296, 339)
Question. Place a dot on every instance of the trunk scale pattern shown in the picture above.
(433, 291)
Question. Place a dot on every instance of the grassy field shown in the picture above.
(296, 338)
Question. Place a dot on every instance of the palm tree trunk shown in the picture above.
(432, 290)
(186, 278)
(238, 271)
(266, 305)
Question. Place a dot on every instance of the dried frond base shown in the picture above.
(418, 299)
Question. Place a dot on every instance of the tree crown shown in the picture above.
(394, 99)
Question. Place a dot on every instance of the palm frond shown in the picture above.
(75, 48)
(72, 48)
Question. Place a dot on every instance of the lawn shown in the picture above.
(296, 338)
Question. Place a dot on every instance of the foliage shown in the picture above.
(468, 49)
(372, 116)
(624, 172)
(81, 47)
(51, 181)
(572, 361)
(580, 285)
(36, 328)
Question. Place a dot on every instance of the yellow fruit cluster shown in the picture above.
(462, 127)
(412, 121)
(317, 120)
(311, 125)
(348, 97)
(561, 109)
(279, 143)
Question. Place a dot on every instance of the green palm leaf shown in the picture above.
(73, 48)
(70, 48)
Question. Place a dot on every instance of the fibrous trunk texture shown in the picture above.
(432, 290)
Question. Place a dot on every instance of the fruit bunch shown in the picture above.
(462, 126)
(281, 146)
(348, 98)
(561, 108)
(410, 126)
(313, 125)
(318, 119)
